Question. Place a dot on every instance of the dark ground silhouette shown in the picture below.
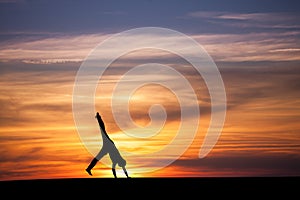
(241, 187)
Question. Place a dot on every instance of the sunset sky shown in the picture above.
(255, 45)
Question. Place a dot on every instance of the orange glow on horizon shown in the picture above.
(39, 138)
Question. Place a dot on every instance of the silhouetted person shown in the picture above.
(108, 147)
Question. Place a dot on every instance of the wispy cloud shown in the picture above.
(222, 47)
(257, 165)
(258, 20)
(50, 50)
(252, 46)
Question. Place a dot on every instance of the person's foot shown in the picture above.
(89, 172)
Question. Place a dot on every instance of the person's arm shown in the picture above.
(101, 123)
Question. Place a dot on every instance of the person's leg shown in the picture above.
(125, 171)
(91, 165)
(94, 162)
(113, 168)
(101, 153)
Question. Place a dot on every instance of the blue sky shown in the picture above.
(112, 16)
